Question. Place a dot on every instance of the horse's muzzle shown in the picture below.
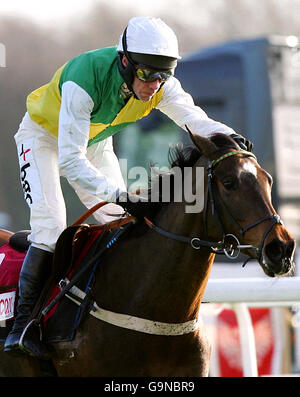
(278, 257)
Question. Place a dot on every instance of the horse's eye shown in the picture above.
(229, 183)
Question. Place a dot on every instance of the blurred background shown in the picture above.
(241, 64)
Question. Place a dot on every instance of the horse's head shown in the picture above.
(242, 198)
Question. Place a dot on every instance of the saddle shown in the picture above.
(76, 253)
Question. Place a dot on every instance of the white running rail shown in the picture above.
(240, 293)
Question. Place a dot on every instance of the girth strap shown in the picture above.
(131, 322)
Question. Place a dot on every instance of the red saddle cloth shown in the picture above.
(61, 323)
(56, 290)
(11, 262)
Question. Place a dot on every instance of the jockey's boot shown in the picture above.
(34, 273)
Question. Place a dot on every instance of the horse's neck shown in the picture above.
(155, 277)
(188, 266)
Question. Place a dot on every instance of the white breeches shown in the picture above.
(40, 179)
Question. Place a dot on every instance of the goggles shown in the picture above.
(152, 75)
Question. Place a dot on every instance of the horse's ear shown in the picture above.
(206, 146)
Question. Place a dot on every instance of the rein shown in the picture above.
(195, 242)
(230, 245)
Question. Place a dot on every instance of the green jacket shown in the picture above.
(97, 73)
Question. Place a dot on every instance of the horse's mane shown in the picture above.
(179, 156)
(187, 156)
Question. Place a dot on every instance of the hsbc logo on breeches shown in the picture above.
(23, 174)
(25, 183)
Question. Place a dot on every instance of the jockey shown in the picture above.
(67, 130)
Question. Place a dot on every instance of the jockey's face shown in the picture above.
(144, 90)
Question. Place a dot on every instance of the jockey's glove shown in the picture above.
(243, 143)
(134, 204)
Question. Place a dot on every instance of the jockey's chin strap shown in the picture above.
(230, 244)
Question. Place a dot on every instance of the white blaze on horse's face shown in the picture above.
(249, 167)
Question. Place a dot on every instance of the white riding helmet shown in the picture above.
(148, 35)
(148, 42)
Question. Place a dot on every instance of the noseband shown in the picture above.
(230, 245)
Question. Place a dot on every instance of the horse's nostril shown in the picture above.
(279, 255)
(275, 250)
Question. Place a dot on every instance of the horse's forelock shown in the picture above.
(183, 157)
(187, 156)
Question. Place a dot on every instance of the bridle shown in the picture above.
(230, 244)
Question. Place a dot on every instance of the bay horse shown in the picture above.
(155, 279)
